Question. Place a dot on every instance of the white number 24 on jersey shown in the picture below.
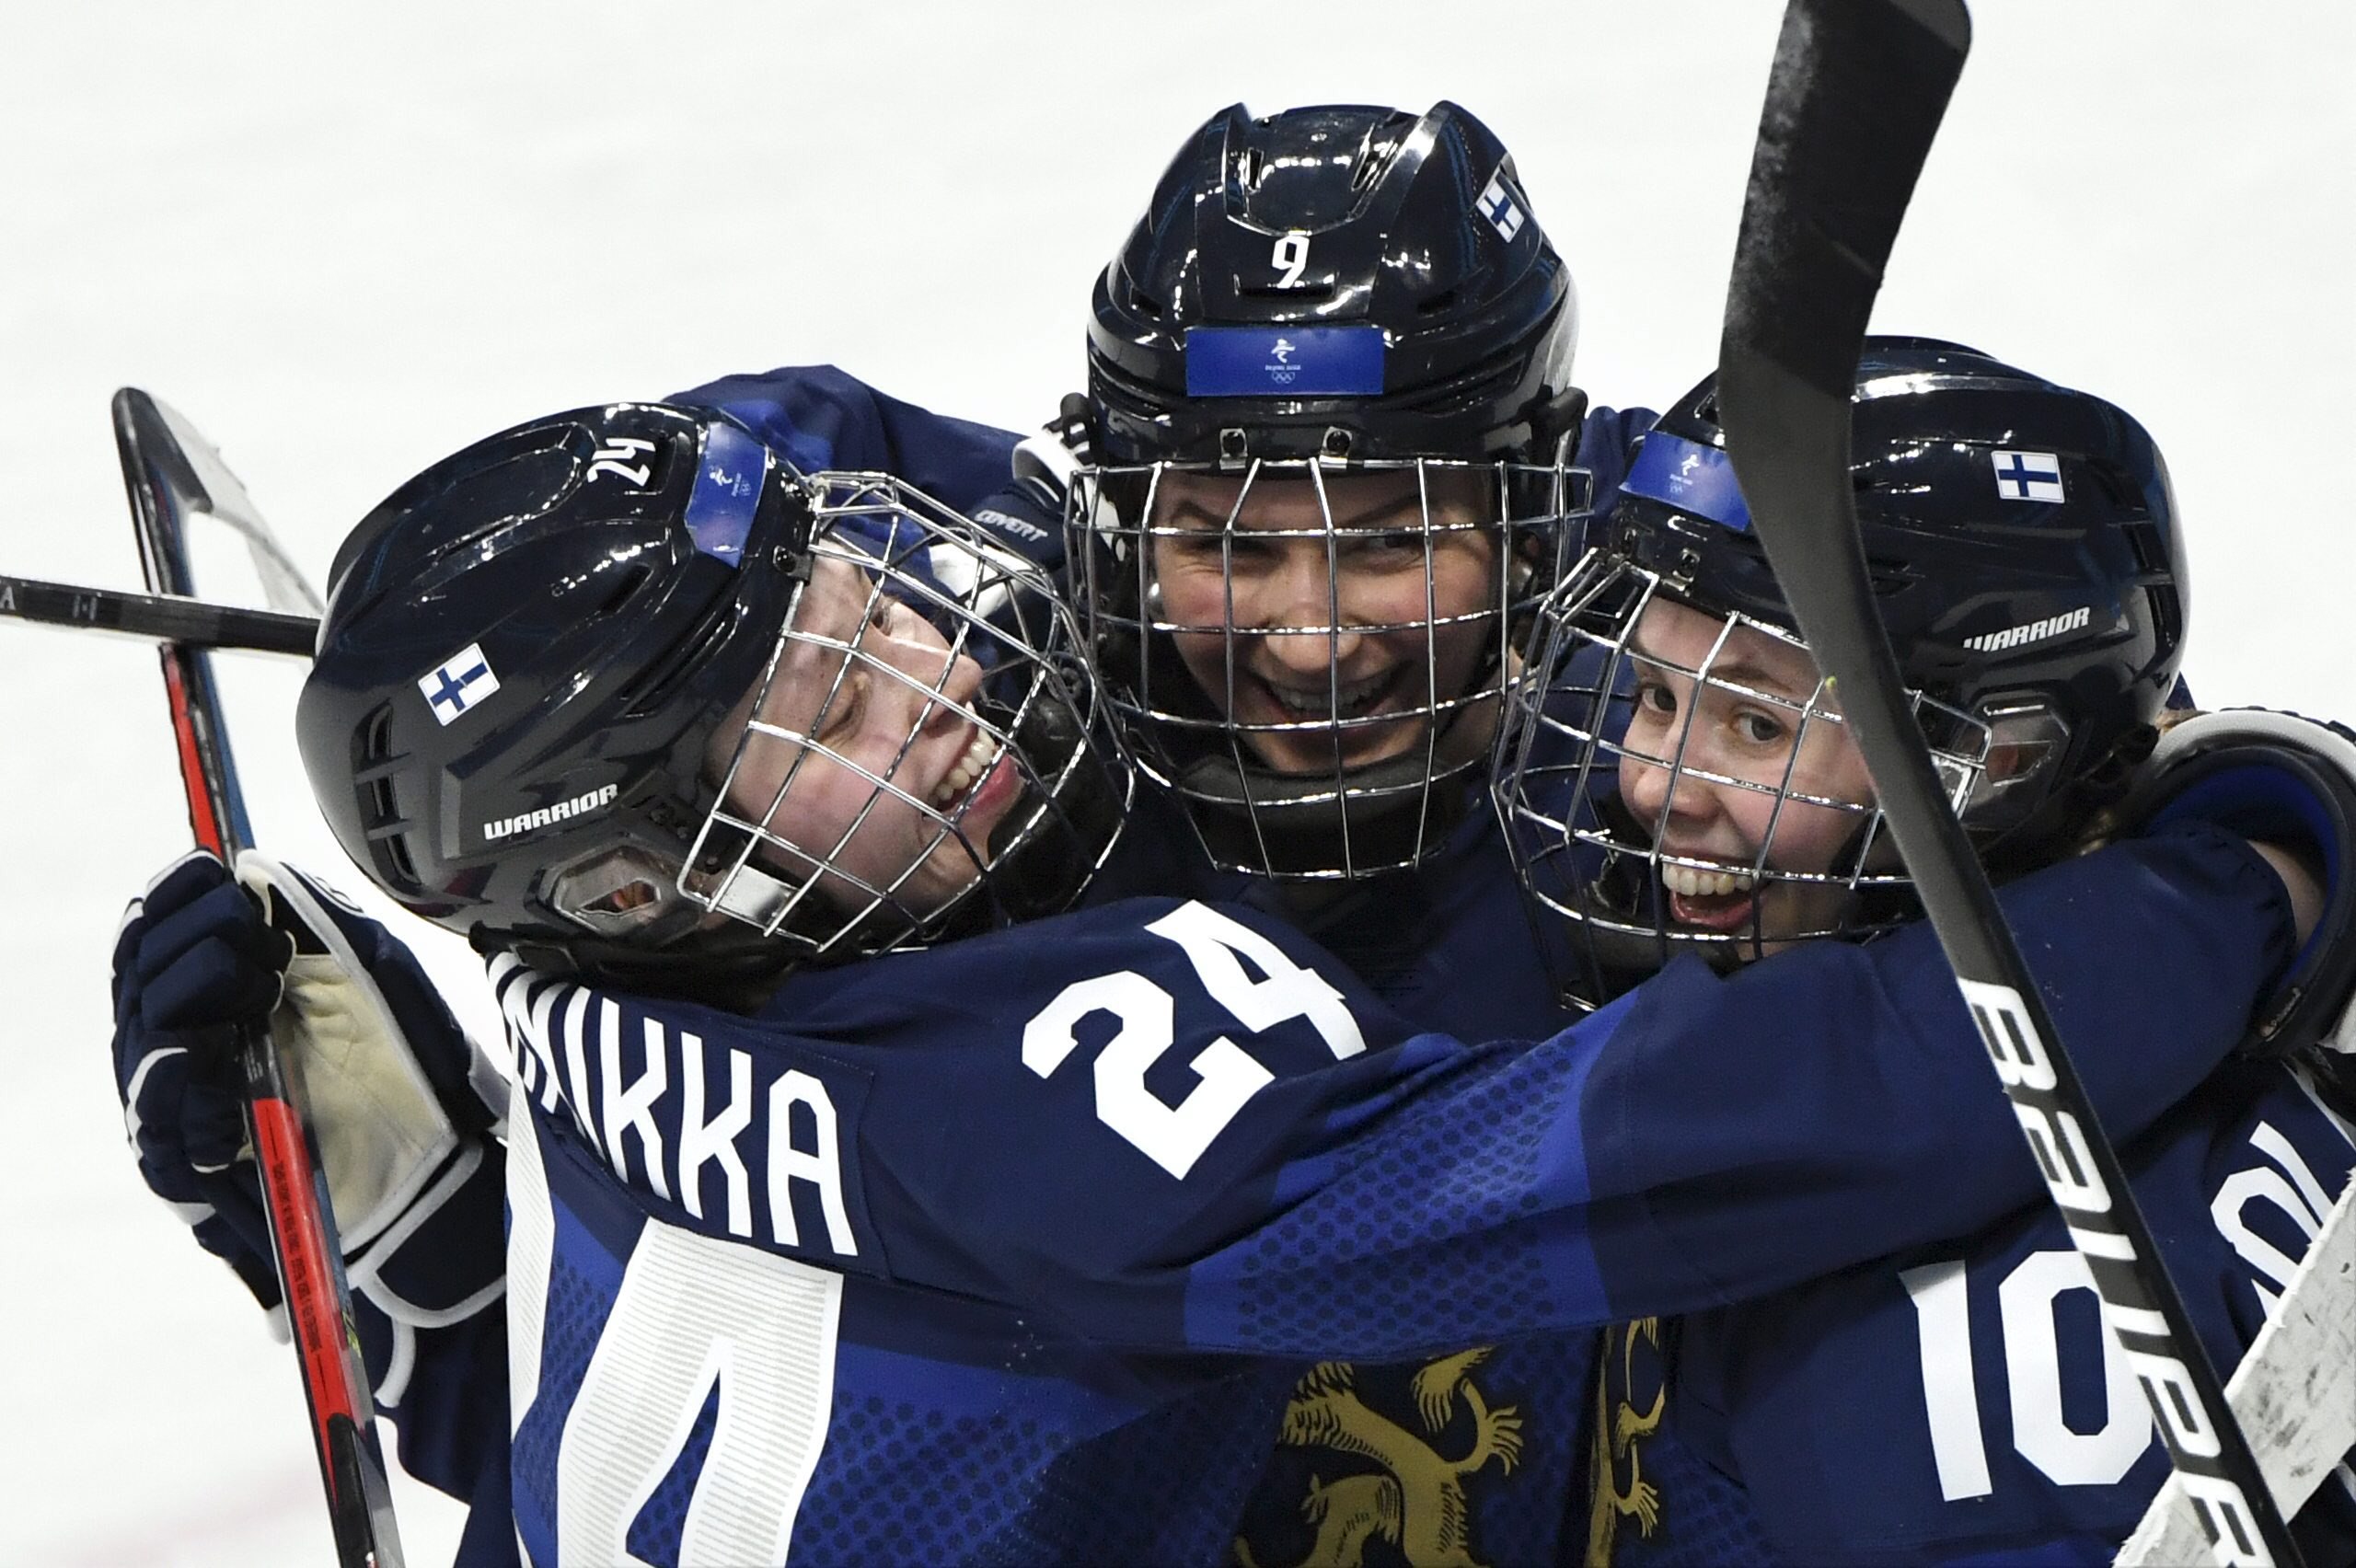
(1175, 1136)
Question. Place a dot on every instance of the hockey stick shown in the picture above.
(172, 475)
(192, 623)
(195, 472)
(2294, 1393)
(1853, 103)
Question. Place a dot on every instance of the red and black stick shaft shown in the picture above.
(302, 1224)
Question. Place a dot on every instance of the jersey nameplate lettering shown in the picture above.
(760, 1162)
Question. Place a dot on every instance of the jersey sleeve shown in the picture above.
(1608, 443)
(2152, 956)
(817, 417)
(1172, 1127)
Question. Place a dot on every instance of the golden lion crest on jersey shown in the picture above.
(1416, 1504)
(1631, 1393)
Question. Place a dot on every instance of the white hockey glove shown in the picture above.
(402, 1106)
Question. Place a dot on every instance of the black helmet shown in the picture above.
(512, 723)
(2023, 544)
(1337, 282)
(1327, 294)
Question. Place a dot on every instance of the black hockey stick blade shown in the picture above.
(169, 476)
(192, 623)
(1853, 103)
(204, 487)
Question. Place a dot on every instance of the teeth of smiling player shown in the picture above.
(980, 752)
(1694, 883)
(1313, 703)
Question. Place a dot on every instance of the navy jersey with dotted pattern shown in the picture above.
(1447, 946)
(1089, 1196)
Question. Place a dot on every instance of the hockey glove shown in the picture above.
(400, 1104)
(1028, 514)
(2287, 781)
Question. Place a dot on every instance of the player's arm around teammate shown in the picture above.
(741, 726)
(1727, 817)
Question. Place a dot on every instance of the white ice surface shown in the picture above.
(347, 239)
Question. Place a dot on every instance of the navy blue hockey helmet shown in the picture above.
(2023, 544)
(1329, 297)
(571, 679)
(1342, 281)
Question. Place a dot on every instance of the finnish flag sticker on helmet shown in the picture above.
(1497, 204)
(463, 679)
(2027, 475)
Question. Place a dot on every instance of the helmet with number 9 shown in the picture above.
(621, 691)
(1329, 416)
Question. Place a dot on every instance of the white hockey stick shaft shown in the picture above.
(2295, 1395)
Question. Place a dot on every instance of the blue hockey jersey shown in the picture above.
(1060, 1444)
(1961, 1402)
(1447, 946)
(1016, 1226)
(1450, 946)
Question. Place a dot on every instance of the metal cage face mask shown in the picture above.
(922, 744)
(1312, 656)
(1680, 781)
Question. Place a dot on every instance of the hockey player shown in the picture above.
(1420, 246)
(873, 1268)
(1331, 419)
(1333, 448)
(1958, 1401)
(1334, 453)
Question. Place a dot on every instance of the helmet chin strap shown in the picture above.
(728, 965)
(1315, 798)
(1379, 815)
